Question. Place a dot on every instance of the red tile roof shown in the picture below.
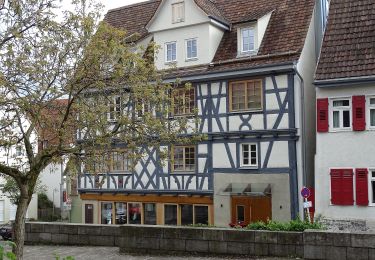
(286, 31)
(349, 43)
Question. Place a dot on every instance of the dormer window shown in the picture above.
(178, 12)
(247, 40)
(170, 52)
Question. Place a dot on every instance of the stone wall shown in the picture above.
(157, 239)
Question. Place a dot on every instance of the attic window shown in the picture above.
(247, 40)
(178, 12)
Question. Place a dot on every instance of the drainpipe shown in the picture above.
(303, 124)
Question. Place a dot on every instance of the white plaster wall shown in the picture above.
(50, 178)
(220, 157)
(97, 205)
(279, 157)
(280, 195)
(342, 150)
(262, 26)
(32, 211)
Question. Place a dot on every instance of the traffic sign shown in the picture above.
(305, 192)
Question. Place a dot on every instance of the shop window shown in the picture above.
(135, 213)
(240, 213)
(186, 215)
(121, 213)
(149, 214)
(106, 217)
(170, 215)
(201, 215)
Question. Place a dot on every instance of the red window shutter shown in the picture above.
(342, 187)
(359, 113)
(335, 186)
(322, 115)
(361, 183)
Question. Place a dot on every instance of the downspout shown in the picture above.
(303, 124)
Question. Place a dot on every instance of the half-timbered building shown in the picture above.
(251, 65)
(345, 87)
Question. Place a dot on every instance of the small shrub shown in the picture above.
(293, 225)
(6, 254)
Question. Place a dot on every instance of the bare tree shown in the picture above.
(112, 92)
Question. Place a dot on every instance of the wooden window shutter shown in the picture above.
(359, 113)
(335, 186)
(322, 115)
(347, 187)
(361, 183)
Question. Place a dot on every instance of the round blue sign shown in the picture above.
(305, 192)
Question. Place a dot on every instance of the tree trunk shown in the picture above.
(19, 225)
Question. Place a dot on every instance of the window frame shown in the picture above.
(187, 58)
(370, 189)
(178, 218)
(185, 92)
(254, 166)
(250, 28)
(332, 109)
(246, 109)
(369, 107)
(117, 108)
(127, 163)
(174, 6)
(184, 170)
(166, 52)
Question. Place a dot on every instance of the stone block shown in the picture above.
(335, 253)
(110, 230)
(290, 238)
(89, 230)
(45, 237)
(78, 240)
(341, 239)
(357, 253)
(27, 227)
(261, 249)
(213, 235)
(148, 243)
(199, 246)
(101, 240)
(281, 250)
(217, 247)
(36, 228)
(142, 231)
(314, 252)
(238, 248)
(371, 254)
(69, 229)
(239, 236)
(184, 233)
(60, 239)
(363, 240)
(172, 244)
(33, 237)
(52, 228)
(299, 251)
(318, 238)
(265, 237)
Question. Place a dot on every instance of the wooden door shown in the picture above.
(89, 214)
(248, 209)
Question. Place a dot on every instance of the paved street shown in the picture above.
(96, 253)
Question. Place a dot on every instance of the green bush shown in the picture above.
(44, 202)
(293, 225)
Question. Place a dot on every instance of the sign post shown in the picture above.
(306, 193)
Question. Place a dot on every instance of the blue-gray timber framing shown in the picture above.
(159, 181)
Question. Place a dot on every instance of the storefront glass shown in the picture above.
(149, 213)
(170, 215)
(186, 215)
(201, 215)
(121, 213)
(106, 216)
(135, 213)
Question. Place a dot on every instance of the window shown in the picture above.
(121, 213)
(372, 187)
(184, 158)
(170, 52)
(247, 39)
(149, 214)
(240, 213)
(120, 162)
(249, 155)
(186, 215)
(135, 213)
(170, 215)
(341, 118)
(371, 112)
(191, 49)
(201, 215)
(178, 12)
(114, 107)
(106, 217)
(1, 210)
(19, 151)
(245, 95)
(183, 101)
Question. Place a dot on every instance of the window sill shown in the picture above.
(246, 111)
(244, 54)
(248, 168)
(191, 59)
(338, 130)
(171, 63)
(182, 172)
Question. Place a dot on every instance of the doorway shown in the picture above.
(89, 214)
(249, 209)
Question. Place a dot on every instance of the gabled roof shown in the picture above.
(348, 49)
(283, 40)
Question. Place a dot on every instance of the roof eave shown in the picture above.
(339, 82)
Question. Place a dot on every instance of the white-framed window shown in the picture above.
(249, 155)
(191, 49)
(372, 187)
(19, 151)
(371, 112)
(247, 40)
(114, 107)
(341, 117)
(1, 211)
(178, 12)
(170, 52)
(183, 158)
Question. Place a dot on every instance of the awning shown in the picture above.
(250, 189)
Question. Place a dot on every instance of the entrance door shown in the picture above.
(248, 209)
(89, 214)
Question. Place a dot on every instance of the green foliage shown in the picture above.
(5, 253)
(64, 258)
(293, 225)
(44, 202)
